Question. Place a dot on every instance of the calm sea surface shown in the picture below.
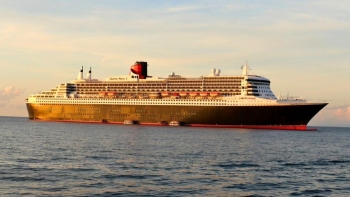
(71, 159)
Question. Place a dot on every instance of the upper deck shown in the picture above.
(137, 84)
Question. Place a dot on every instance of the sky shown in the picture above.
(303, 47)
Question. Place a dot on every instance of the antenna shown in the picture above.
(280, 96)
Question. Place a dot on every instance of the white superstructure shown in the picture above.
(211, 90)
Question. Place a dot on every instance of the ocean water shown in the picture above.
(72, 159)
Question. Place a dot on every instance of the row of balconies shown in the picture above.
(175, 90)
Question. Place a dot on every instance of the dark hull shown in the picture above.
(293, 117)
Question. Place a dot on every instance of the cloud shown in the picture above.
(342, 113)
(333, 116)
(9, 93)
(182, 9)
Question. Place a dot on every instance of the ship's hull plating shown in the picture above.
(291, 117)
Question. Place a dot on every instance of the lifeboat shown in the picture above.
(214, 93)
(111, 93)
(102, 93)
(183, 93)
(165, 93)
(193, 93)
(154, 94)
(204, 93)
(175, 95)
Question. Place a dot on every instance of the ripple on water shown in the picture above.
(312, 192)
(236, 165)
(59, 159)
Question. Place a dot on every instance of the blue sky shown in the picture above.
(301, 46)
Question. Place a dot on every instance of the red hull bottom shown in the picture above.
(270, 127)
(267, 127)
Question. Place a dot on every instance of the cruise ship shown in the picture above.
(214, 100)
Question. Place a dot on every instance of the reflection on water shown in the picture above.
(65, 159)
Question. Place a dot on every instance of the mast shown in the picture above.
(245, 69)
